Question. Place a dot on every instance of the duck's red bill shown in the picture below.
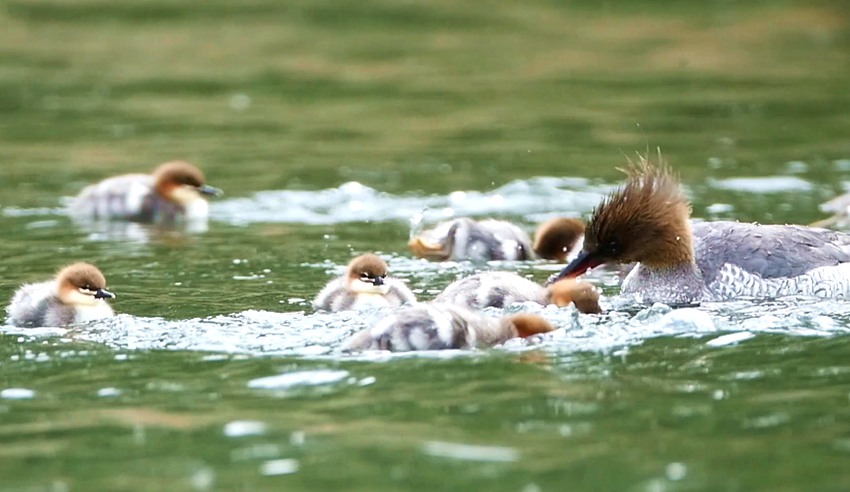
(583, 262)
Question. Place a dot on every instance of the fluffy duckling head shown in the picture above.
(556, 237)
(568, 291)
(367, 274)
(82, 284)
(646, 220)
(182, 182)
(525, 325)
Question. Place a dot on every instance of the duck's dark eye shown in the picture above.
(613, 248)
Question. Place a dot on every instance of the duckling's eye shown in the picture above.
(187, 181)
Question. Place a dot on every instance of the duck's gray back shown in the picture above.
(739, 259)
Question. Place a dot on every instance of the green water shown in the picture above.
(410, 99)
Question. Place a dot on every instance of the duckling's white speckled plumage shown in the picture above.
(467, 239)
(501, 289)
(436, 326)
(492, 289)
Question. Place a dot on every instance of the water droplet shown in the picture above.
(240, 102)
(279, 467)
(676, 471)
(240, 428)
(107, 392)
(17, 394)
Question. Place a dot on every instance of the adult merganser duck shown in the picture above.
(434, 326)
(647, 221)
(484, 240)
(76, 295)
(365, 285)
(174, 192)
(500, 289)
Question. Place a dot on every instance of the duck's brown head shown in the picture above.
(556, 237)
(526, 325)
(367, 273)
(82, 283)
(568, 291)
(182, 182)
(646, 220)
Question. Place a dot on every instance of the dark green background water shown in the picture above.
(413, 100)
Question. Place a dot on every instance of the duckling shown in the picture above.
(492, 289)
(467, 239)
(76, 295)
(559, 239)
(501, 289)
(174, 192)
(647, 221)
(365, 285)
(435, 326)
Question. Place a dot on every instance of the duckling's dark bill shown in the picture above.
(209, 190)
(103, 294)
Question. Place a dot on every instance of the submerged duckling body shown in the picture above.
(477, 240)
(365, 285)
(501, 289)
(174, 192)
(492, 289)
(76, 295)
(435, 326)
(647, 221)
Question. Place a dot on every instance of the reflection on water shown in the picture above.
(134, 232)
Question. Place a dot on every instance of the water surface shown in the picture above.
(337, 128)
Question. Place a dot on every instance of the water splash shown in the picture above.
(320, 335)
(354, 202)
(763, 184)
